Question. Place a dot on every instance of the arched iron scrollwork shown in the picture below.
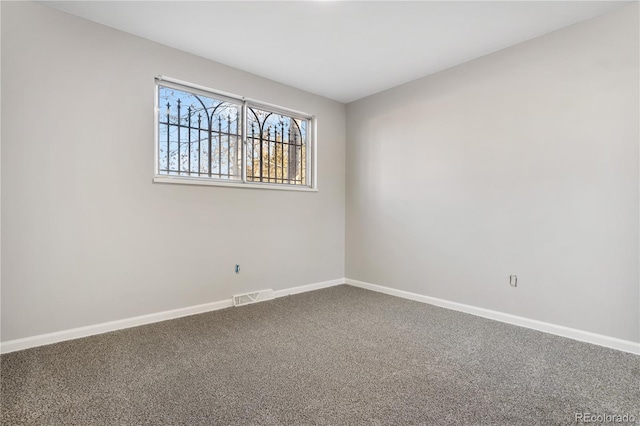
(276, 148)
(201, 136)
(191, 146)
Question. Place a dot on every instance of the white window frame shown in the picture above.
(245, 103)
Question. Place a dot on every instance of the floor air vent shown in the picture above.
(256, 296)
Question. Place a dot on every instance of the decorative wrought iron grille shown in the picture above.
(276, 148)
(201, 134)
(198, 135)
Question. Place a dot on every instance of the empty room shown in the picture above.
(320, 213)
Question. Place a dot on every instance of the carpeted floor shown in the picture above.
(338, 356)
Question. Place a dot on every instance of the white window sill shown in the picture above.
(184, 180)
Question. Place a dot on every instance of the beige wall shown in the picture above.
(521, 162)
(86, 236)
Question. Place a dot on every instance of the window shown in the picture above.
(209, 137)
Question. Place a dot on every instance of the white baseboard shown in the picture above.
(309, 287)
(76, 333)
(559, 330)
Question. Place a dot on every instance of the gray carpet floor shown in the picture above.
(338, 356)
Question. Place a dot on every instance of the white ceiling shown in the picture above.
(341, 50)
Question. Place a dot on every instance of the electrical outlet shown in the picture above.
(513, 280)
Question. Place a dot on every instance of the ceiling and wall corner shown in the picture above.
(341, 50)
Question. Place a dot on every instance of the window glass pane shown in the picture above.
(276, 148)
(198, 136)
